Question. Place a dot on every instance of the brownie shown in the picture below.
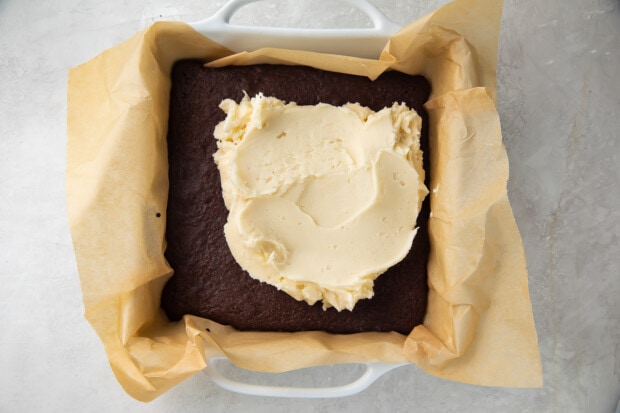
(207, 281)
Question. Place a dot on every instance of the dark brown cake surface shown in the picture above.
(207, 280)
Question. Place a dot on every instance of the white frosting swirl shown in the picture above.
(321, 199)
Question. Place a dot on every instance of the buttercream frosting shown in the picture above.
(322, 199)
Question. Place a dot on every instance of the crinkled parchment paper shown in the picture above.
(479, 328)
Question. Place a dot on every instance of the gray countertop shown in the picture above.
(559, 102)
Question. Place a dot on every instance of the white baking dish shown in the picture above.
(365, 43)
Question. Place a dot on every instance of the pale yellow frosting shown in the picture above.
(321, 199)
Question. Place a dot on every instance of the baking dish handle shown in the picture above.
(363, 42)
(372, 373)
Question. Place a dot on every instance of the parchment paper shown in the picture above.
(479, 327)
